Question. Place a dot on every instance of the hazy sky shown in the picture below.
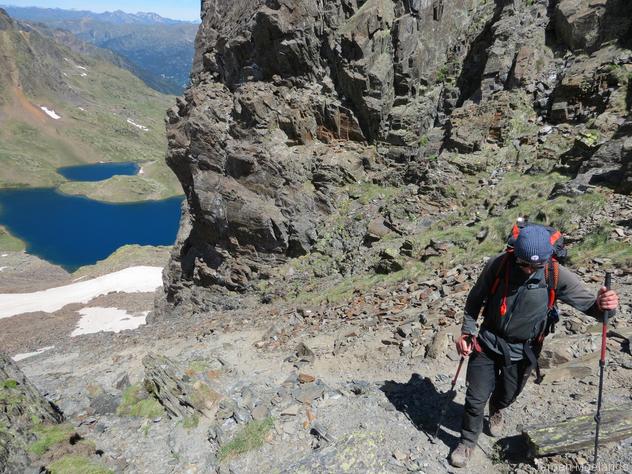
(177, 9)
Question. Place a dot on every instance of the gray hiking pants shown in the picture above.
(488, 376)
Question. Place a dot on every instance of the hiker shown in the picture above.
(514, 290)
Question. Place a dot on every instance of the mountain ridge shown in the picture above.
(40, 13)
(60, 107)
(159, 51)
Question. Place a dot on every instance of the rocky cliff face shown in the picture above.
(21, 408)
(298, 109)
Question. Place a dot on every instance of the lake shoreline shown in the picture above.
(73, 231)
(151, 181)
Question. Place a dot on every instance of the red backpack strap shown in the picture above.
(503, 303)
(552, 276)
(504, 265)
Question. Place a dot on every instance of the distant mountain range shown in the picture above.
(156, 49)
(119, 17)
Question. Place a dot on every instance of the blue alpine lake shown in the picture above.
(98, 171)
(73, 231)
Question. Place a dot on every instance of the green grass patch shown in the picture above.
(137, 402)
(367, 192)
(190, 422)
(442, 73)
(599, 244)
(10, 243)
(73, 464)
(94, 125)
(10, 383)
(11, 397)
(30, 157)
(532, 193)
(198, 366)
(533, 202)
(48, 436)
(251, 437)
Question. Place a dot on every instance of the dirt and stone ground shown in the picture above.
(364, 396)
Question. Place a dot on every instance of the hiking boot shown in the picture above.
(461, 455)
(496, 423)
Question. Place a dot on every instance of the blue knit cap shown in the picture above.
(533, 244)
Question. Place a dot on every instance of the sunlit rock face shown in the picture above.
(293, 101)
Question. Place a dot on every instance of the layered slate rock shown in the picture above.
(286, 99)
(182, 393)
(587, 24)
(21, 407)
(293, 103)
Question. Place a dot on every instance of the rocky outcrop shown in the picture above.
(22, 407)
(587, 24)
(6, 23)
(182, 393)
(294, 105)
(277, 88)
(609, 164)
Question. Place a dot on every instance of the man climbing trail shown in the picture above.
(517, 290)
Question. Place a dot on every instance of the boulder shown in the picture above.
(607, 164)
(180, 393)
(587, 24)
(577, 22)
(389, 262)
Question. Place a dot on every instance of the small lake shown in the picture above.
(73, 231)
(98, 171)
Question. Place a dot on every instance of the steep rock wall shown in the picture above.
(291, 101)
(277, 88)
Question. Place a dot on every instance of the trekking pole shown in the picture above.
(602, 364)
(451, 395)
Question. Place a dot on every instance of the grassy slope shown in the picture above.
(10, 243)
(94, 109)
(564, 213)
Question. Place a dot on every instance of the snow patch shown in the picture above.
(5, 254)
(137, 125)
(82, 109)
(51, 113)
(107, 319)
(18, 357)
(81, 67)
(140, 279)
(141, 170)
(83, 74)
(2, 268)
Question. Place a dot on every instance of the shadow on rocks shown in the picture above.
(513, 450)
(420, 401)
